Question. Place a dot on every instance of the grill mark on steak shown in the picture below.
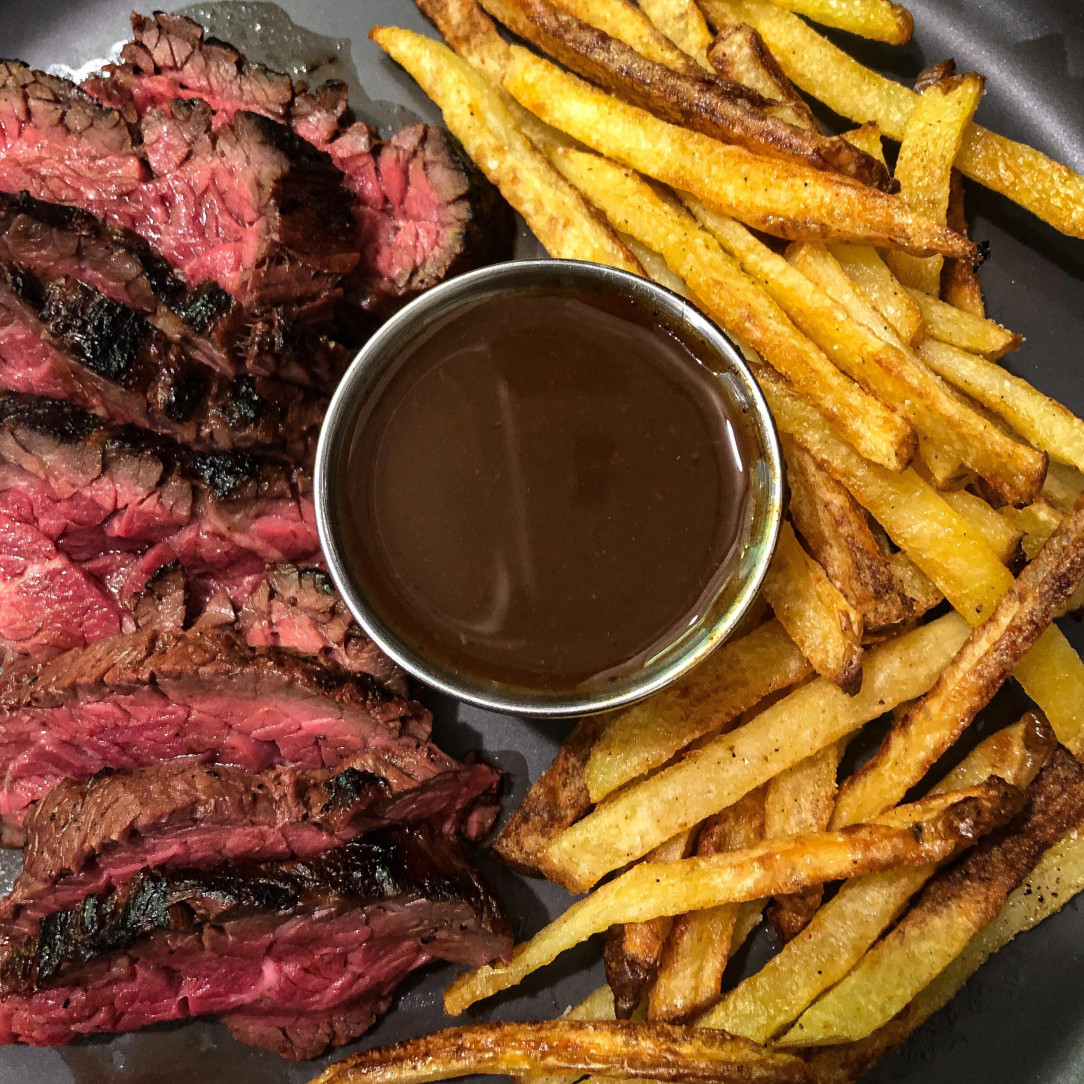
(63, 338)
(56, 241)
(250, 204)
(136, 699)
(86, 838)
(353, 922)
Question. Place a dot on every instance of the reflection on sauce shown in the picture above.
(545, 490)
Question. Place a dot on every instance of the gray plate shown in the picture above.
(1022, 1017)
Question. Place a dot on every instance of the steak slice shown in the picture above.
(53, 241)
(136, 699)
(293, 957)
(248, 204)
(65, 339)
(423, 211)
(90, 837)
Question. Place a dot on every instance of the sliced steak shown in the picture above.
(55, 241)
(248, 204)
(423, 212)
(292, 957)
(89, 837)
(65, 339)
(137, 699)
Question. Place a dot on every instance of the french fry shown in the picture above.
(598, 1005)
(1062, 486)
(731, 680)
(996, 531)
(915, 584)
(843, 930)
(1058, 877)
(945, 547)
(796, 801)
(928, 831)
(474, 111)
(655, 266)
(960, 286)
(698, 945)
(942, 469)
(784, 198)
(1048, 189)
(742, 306)
(640, 1050)
(720, 772)
(1042, 420)
(557, 798)
(954, 907)
(1038, 522)
(835, 529)
(880, 20)
(931, 142)
(684, 24)
(864, 266)
(969, 682)
(1015, 470)
(868, 137)
(739, 54)
(725, 111)
(959, 328)
(814, 612)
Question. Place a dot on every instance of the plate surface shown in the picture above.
(1022, 1017)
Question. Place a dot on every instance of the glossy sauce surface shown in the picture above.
(545, 490)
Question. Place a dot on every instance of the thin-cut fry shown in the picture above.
(960, 286)
(684, 24)
(931, 142)
(698, 945)
(814, 612)
(952, 909)
(655, 266)
(474, 111)
(1042, 420)
(557, 798)
(973, 333)
(928, 831)
(997, 532)
(946, 547)
(1047, 188)
(886, 293)
(784, 198)
(840, 933)
(880, 20)
(640, 1050)
(730, 681)
(836, 530)
(719, 773)
(796, 801)
(739, 54)
(742, 306)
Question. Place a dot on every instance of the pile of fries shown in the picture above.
(935, 533)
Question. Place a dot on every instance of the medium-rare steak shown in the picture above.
(248, 204)
(137, 699)
(56, 241)
(423, 211)
(293, 957)
(63, 338)
(89, 837)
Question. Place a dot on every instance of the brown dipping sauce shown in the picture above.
(545, 490)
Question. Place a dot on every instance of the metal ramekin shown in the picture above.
(734, 595)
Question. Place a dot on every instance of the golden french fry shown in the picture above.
(655, 266)
(730, 681)
(997, 531)
(636, 1050)
(1062, 486)
(931, 142)
(629, 24)
(954, 907)
(945, 547)
(915, 584)
(814, 612)
(880, 20)
(474, 111)
(1042, 420)
(960, 286)
(598, 1005)
(963, 329)
(841, 932)
(742, 306)
(928, 831)
(684, 24)
(1048, 189)
(886, 293)
(720, 772)
(781, 197)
